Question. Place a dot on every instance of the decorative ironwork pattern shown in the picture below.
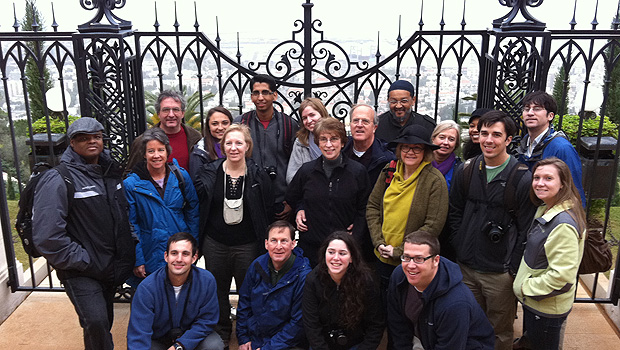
(113, 67)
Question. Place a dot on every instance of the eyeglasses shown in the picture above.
(535, 109)
(416, 259)
(331, 140)
(265, 93)
(364, 122)
(166, 110)
(414, 149)
(404, 101)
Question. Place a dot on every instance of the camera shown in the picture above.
(338, 337)
(494, 231)
(271, 171)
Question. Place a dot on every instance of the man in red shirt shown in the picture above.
(170, 107)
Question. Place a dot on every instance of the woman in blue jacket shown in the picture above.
(162, 201)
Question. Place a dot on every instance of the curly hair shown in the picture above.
(357, 278)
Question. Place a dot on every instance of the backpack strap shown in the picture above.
(389, 173)
(175, 170)
(514, 178)
(288, 129)
(468, 170)
(68, 179)
(245, 118)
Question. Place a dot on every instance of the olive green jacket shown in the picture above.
(428, 212)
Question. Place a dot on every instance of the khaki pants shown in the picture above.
(493, 291)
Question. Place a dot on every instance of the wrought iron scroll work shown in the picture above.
(326, 58)
(517, 62)
(107, 91)
(506, 23)
(104, 9)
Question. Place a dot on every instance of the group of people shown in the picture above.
(393, 227)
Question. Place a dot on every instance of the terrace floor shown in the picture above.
(46, 321)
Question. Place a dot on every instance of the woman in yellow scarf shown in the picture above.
(414, 198)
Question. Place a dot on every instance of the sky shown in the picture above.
(342, 19)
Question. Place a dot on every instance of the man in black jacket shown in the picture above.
(401, 98)
(490, 213)
(87, 238)
(428, 299)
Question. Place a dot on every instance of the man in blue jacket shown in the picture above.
(427, 298)
(541, 141)
(176, 307)
(269, 312)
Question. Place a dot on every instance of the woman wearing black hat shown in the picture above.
(413, 197)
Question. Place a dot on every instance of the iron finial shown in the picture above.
(176, 18)
(16, 23)
(463, 23)
(156, 24)
(442, 23)
(217, 32)
(421, 23)
(196, 25)
(573, 22)
(54, 24)
(594, 22)
(378, 54)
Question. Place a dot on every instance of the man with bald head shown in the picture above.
(401, 98)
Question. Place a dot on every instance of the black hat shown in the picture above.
(479, 112)
(402, 85)
(414, 134)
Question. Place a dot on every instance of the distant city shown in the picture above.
(257, 50)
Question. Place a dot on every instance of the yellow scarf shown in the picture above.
(397, 202)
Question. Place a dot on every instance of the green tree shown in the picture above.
(561, 81)
(613, 98)
(34, 20)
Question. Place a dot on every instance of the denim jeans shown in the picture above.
(542, 332)
(93, 303)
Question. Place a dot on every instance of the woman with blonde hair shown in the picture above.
(447, 135)
(547, 277)
(235, 211)
(305, 149)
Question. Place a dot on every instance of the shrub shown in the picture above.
(56, 125)
(570, 126)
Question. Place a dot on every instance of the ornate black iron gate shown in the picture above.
(498, 67)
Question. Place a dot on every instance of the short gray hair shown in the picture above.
(357, 105)
(173, 94)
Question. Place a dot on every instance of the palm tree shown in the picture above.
(192, 115)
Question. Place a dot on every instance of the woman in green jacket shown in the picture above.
(547, 277)
(414, 198)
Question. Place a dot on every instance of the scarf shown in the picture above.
(397, 203)
(315, 152)
(446, 165)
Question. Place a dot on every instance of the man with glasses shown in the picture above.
(170, 107)
(541, 141)
(80, 225)
(273, 134)
(363, 146)
(401, 97)
(427, 300)
(490, 214)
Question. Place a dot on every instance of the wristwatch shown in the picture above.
(178, 346)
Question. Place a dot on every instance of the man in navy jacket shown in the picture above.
(427, 298)
(176, 306)
(269, 313)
